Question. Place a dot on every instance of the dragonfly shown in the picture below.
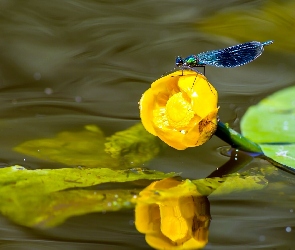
(230, 57)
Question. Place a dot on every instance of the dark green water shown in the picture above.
(65, 64)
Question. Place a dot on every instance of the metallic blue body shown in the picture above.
(234, 56)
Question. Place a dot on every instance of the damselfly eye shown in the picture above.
(179, 61)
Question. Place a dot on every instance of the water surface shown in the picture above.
(71, 63)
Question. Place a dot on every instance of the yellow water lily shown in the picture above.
(173, 215)
(181, 109)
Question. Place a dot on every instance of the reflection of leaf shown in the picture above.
(51, 209)
(275, 20)
(90, 148)
(133, 146)
(271, 123)
(253, 179)
(46, 197)
(237, 182)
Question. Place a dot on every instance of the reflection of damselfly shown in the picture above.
(234, 56)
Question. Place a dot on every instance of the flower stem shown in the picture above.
(236, 140)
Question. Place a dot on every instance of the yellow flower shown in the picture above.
(173, 215)
(181, 109)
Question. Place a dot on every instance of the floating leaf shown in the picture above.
(45, 198)
(271, 123)
(274, 20)
(133, 146)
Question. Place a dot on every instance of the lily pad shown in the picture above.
(47, 197)
(271, 124)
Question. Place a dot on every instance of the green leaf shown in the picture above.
(284, 154)
(271, 123)
(274, 20)
(45, 198)
(133, 146)
(78, 148)
(89, 148)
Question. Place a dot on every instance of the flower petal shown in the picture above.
(202, 132)
(147, 218)
(146, 104)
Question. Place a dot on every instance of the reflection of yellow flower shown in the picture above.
(180, 109)
(173, 215)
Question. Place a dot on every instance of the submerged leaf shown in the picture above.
(78, 148)
(232, 183)
(90, 148)
(271, 123)
(133, 146)
(45, 198)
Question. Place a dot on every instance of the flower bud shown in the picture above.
(181, 109)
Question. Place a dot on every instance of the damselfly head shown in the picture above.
(179, 61)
